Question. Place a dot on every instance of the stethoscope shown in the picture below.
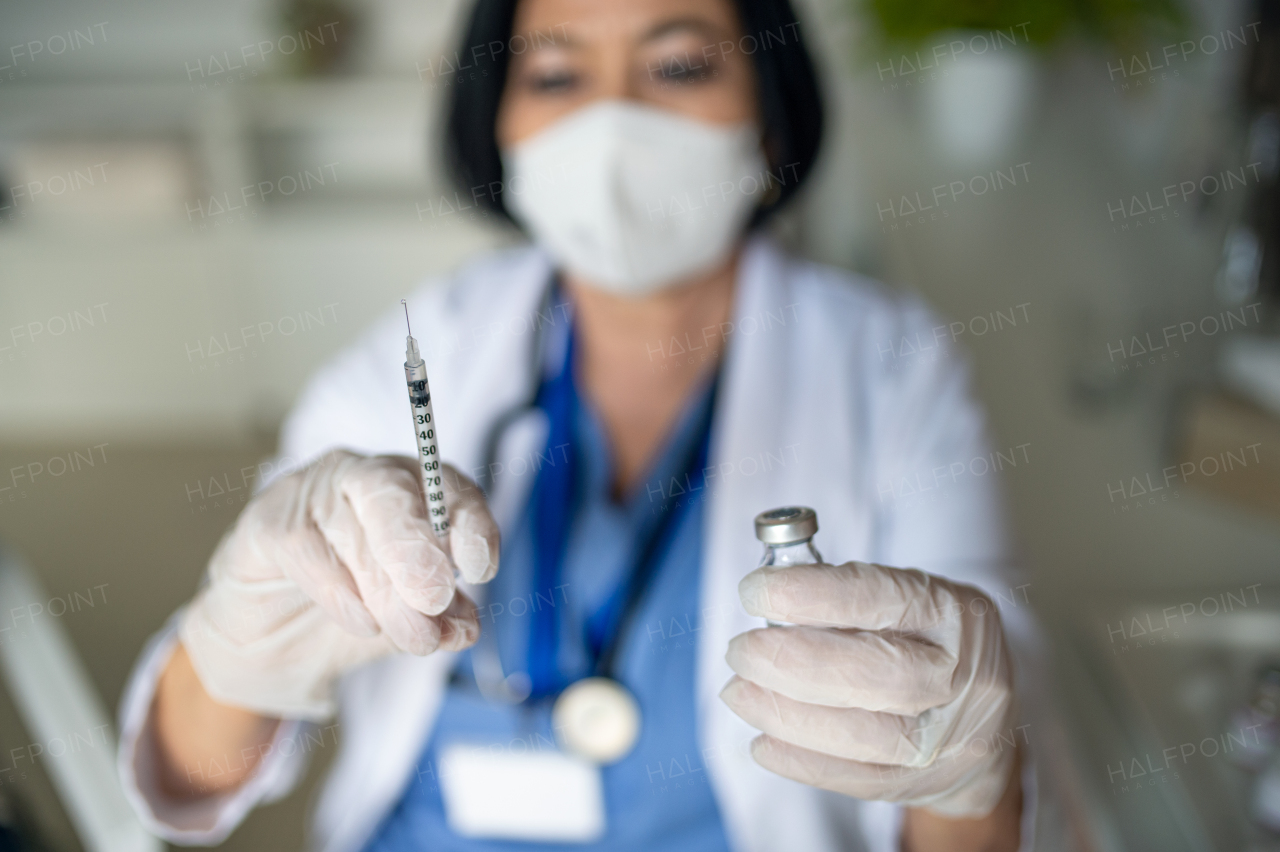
(596, 717)
(493, 682)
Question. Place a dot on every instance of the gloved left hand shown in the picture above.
(894, 685)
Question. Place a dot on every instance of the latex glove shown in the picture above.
(899, 688)
(329, 568)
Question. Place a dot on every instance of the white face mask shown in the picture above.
(634, 198)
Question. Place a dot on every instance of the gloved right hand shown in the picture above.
(329, 568)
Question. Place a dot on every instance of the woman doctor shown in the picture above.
(631, 388)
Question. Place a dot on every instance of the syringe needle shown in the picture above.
(411, 354)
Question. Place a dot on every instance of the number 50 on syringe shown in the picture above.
(424, 427)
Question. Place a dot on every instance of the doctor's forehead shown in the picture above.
(575, 24)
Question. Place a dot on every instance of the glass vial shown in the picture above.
(787, 534)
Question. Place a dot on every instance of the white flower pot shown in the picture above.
(976, 109)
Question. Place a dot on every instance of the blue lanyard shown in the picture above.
(557, 493)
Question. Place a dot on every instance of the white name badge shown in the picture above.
(543, 796)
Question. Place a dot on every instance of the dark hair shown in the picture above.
(790, 99)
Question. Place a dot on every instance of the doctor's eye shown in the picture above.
(551, 81)
(675, 70)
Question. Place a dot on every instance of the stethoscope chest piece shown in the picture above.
(596, 718)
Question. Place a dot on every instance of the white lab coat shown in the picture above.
(835, 394)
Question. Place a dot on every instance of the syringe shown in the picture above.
(424, 426)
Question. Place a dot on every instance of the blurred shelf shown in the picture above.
(345, 137)
(93, 105)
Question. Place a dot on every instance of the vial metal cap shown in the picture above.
(786, 525)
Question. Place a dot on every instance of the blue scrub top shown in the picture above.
(658, 796)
